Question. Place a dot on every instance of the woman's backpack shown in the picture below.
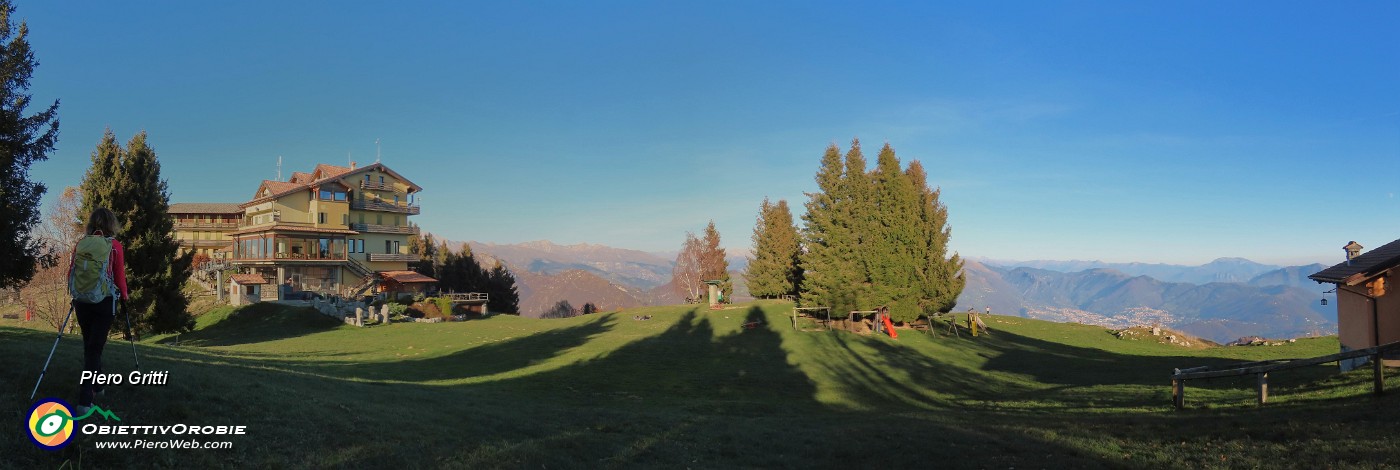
(90, 278)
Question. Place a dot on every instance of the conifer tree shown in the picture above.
(127, 181)
(774, 269)
(504, 297)
(822, 283)
(713, 265)
(894, 265)
(943, 278)
(23, 141)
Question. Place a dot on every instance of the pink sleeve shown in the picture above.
(119, 267)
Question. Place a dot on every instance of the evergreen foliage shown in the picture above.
(774, 270)
(504, 297)
(877, 238)
(23, 141)
(128, 182)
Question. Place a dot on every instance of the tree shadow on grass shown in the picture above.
(478, 361)
(256, 323)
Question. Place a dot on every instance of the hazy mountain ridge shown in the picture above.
(1218, 311)
(1219, 270)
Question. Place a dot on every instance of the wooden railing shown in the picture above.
(375, 228)
(1261, 369)
(211, 225)
(392, 257)
(384, 206)
(469, 297)
(377, 186)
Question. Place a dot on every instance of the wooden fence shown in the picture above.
(1262, 369)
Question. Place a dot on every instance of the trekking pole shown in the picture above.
(51, 350)
(131, 336)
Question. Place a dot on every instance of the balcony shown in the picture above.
(382, 206)
(206, 243)
(206, 225)
(392, 257)
(377, 186)
(374, 228)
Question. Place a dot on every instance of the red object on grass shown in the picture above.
(889, 326)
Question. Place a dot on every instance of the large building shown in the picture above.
(205, 228)
(330, 231)
(1368, 309)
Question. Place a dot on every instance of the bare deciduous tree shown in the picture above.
(685, 276)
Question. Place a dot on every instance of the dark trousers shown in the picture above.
(96, 322)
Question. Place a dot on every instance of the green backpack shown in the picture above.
(89, 280)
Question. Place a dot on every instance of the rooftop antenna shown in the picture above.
(348, 161)
(376, 150)
(279, 168)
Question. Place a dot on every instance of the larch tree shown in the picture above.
(24, 139)
(713, 265)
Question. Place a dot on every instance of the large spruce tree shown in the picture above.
(23, 141)
(774, 270)
(127, 181)
(877, 238)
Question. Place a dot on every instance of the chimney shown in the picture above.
(352, 166)
(1353, 250)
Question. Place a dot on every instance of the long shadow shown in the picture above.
(258, 323)
(479, 361)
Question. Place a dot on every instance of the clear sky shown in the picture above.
(1121, 131)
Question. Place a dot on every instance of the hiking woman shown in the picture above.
(96, 280)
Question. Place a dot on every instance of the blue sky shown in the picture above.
(1121, 131)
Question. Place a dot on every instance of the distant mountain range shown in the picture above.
(608, 277)
(1276, 302)
(1220, 270)
(1221, 301)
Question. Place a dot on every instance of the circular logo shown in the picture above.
(51, 424)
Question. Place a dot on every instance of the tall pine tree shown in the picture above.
(128, 182)
(774, 270)
(823, 237)
(23, 141)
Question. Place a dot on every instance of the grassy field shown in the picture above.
(693, 389)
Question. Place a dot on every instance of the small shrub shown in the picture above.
(397, 309)
(444, 305)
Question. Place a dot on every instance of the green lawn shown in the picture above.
(692, 388)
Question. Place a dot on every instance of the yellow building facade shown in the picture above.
(206, 228)
(330, 231)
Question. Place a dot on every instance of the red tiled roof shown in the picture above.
(300, 177)
(406, 277)
(248, 279)
(330, 171)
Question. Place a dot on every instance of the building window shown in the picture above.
(381, 179)
(322, 219)
(388, 247)
(396, 247)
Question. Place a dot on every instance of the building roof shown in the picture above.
(300, 177)
(205, 208)
(248, 279)
(406, 277)
(323, 171)
(1359, 269)
(291, 228)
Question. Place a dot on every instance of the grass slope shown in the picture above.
(692, 388)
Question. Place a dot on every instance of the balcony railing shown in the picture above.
(377, 186)
(384, 206)
(206, 243)
(375, 228)
(392, 257)
(213, 225)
